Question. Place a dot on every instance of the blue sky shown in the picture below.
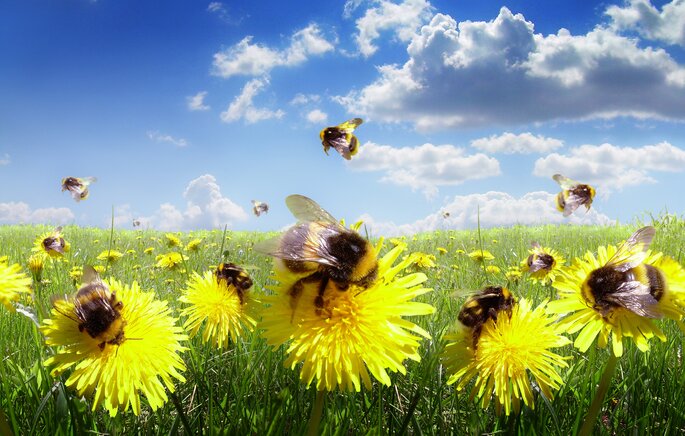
(186, 111)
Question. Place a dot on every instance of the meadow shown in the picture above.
(245, 388)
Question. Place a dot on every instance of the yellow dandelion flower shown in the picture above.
(145, 362)
(442, 250)
(460, 251)
(422, 260)
(595, 322)
(4, 260)
(130, 251)
(36, 263)
(172, 240)
(194, 245)
(51, 244)
(99, 268)
(110, 256)
(96, 241)
(509, 351)
(481, 255)
(543, 264)
(397, 241)
(493, 269)
(356, 332)
(149, 250)
(226, 310)
(13, 283)
(136, 267)
(494, 241)
(170, 260)
(513, 273)
(75, 274)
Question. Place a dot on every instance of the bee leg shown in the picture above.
(492, 313)
(318, 301)
(294, 292)
(476, 335)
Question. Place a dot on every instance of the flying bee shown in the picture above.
(539, 260)
(318, 249)
(484, 305)
(341, 138)
(54, 243)
(624, 281)
(573, 195)
(445, 214)
(259, 207)
(77, 186)
(236, 276)
(96, 310)
(136, 223)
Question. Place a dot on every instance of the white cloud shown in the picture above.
(197, 102)
(404, 19)
(501, 72)
(302, 99)
(206, 208)
(316, 116)
(246, 58)
(425, 167)
(524, 143)
(641, 16)
(242, 106)
(610, 167)
(5, 159)
(159, 137)
(215, 7)
(21, 213)
(496, 209)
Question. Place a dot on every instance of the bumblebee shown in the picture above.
(624, 281)
(259, 207)
(55, 242)
(318, 249)
(136, 223)
(445, 214)
(341, 138)
(539, 260)
(573, 195)
(97, 310)
(485, 305)
(77, 186)
(234, 276)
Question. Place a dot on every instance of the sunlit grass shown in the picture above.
(245, 388)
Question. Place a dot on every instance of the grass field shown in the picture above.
(245, 389)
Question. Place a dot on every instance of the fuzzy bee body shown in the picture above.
(539, 260)
(318, 249)
(625, 282)
(573, 195)
(234, 276)
(484, 305)
(77, 186)
(341, 138)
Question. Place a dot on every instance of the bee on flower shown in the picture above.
(51, 244)
(542, 264)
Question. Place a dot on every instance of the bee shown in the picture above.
(318, 249)
(136, 223)
(539, 260)
(485, 305)
(624, 281)
(97, 310)
(445, 214)
(234, 276)
(77, 186)
(341, 138)
(573, 195)
(55, 242)
(259, 207)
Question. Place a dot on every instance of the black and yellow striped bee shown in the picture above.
(235, 276)
(624, 281)
(539, 260)
(96, 310)
(77, 186)
(341, 138)
(484, 305)
(573, 195)
(318, 249)
(55, 242)
(259, 207)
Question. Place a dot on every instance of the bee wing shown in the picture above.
(300, 243)
(564, 181)
(537, 265)
(305, 209)
(633, 251)
(573, 201)
(342, 146)
(635, 296)
(349, 125)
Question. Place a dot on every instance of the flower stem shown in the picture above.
(602, 389)
(317, 411)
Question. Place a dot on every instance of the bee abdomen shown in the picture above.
(657, 282)
(561, 202)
